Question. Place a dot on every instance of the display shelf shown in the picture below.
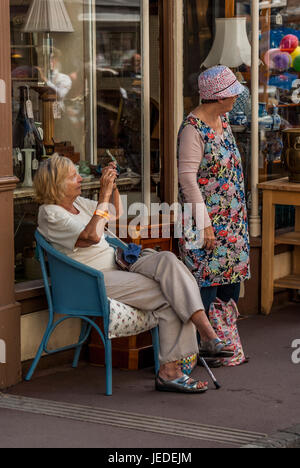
(268, 5)
(25, 79)
(29, 289)
(289, 238)
(91, 183)
(292, 104)
(22, 46)
(288, 282)
(279, 192)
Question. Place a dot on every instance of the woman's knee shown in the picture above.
(169, 256)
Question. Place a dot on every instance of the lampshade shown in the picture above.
(231, 46)
(47, 16)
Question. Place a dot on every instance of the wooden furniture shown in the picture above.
(229, 8)
(278, 192)
(66, 149)
(134, 352)
(155, 235)
(48, 98)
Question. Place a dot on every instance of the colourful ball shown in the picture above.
(268, 58)
(282, 61)
(289, 43)
(295, 53)
(296, 64)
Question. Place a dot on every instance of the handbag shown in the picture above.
(223, 318)
(126, 257)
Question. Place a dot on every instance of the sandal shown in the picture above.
(214, 348)
(180, 385)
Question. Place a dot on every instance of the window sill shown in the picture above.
(31, 295)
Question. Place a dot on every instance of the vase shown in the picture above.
(239, 118)
(276, 120)
(291, 153)
(28, 167)
(263, 109)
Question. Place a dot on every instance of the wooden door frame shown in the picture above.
(10, 358)
(171, 33)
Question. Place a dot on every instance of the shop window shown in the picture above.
(120, 91)
(50, 101)
(279, 87)
(201, 29)
(79, 91)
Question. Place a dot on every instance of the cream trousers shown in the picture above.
(162, 284)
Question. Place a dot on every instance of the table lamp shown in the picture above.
(48, 16)
(231, 46)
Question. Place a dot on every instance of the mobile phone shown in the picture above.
(115, 161)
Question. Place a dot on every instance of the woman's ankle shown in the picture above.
(170, 370)
(203, 326)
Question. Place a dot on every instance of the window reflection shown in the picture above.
(85, 88)
(119, 82)
(119, 89)
(279, 87)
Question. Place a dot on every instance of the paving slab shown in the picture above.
(261, 396)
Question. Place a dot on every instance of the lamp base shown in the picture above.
(28, 167)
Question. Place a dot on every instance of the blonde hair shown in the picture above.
(49, 180)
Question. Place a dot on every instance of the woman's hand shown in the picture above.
(107, 182)
(42, 74)
(209, 238)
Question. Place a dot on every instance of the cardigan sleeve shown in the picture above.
(191, 151)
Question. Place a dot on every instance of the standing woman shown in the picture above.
(215, 240)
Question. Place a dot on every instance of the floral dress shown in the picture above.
(221, 181)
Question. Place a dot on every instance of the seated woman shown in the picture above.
(157, 282)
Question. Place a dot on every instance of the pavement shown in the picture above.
(257, 406)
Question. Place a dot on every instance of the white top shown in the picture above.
(62, 229)
(61, 84)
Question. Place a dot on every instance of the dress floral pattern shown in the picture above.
(221, 181)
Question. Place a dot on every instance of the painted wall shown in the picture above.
(282, 265)
(33, 327)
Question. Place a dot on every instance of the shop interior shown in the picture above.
(77, 89)
(279, 71)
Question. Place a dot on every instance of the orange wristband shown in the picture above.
(102, 214)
